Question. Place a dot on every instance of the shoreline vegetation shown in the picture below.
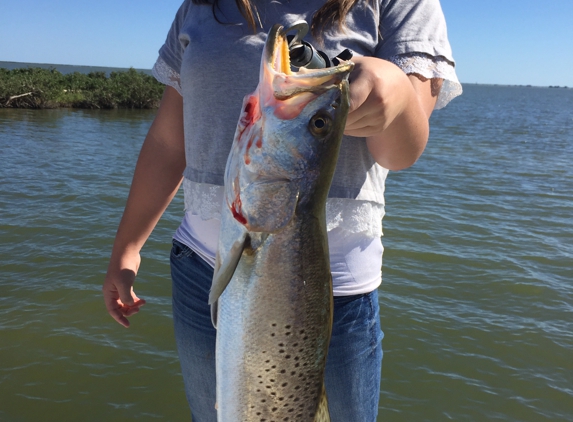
(38, 88)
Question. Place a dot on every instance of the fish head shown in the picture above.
(287, 139)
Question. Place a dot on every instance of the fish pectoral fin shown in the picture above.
(225, 269)
(214, 313)
(223, 273)
(322, 414)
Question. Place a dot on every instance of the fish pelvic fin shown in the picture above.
(322, 414)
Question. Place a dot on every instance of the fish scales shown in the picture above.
(278, 378)
(272, 288)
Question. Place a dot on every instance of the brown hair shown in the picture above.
(331, 13)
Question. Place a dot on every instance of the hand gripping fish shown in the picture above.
(271, 295)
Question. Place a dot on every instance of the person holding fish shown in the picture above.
(268, 220)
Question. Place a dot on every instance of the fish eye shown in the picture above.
(320, 124)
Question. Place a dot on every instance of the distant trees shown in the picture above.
(49, 88)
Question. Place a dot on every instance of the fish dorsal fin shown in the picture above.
(224, 270)
(322, 414)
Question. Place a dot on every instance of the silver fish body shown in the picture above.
(272, 288)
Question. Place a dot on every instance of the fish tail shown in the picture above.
(322, 414)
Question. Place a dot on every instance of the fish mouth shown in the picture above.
(283, 82)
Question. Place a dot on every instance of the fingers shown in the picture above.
(359, 91)
(114, 306)
(365, 121)
(119, 311)
(120, 300)
(364, 116)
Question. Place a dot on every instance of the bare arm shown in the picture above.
(391, 109)
(157, 177)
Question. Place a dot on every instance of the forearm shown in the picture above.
(157, 177)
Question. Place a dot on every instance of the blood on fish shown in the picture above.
(236, 206)
(247, 150)
(251, 114)
(236, 210)
(239, 217)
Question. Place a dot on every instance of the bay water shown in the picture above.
(476, 302)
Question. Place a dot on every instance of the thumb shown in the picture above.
(125, 288)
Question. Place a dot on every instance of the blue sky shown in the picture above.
(494, 41)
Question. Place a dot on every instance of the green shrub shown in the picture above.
(48, 88)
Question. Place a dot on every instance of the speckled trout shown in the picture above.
(271, 295)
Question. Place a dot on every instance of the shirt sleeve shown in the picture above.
(167, 68)
(414, 37)
(408, 26)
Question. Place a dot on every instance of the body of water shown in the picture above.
(477, 298)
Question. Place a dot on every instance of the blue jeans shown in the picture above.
(354, 361)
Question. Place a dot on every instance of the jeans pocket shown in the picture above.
(179, 250)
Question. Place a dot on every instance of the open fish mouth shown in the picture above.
(278, 79)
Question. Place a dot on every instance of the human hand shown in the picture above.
(379, 92)
(120, 299)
